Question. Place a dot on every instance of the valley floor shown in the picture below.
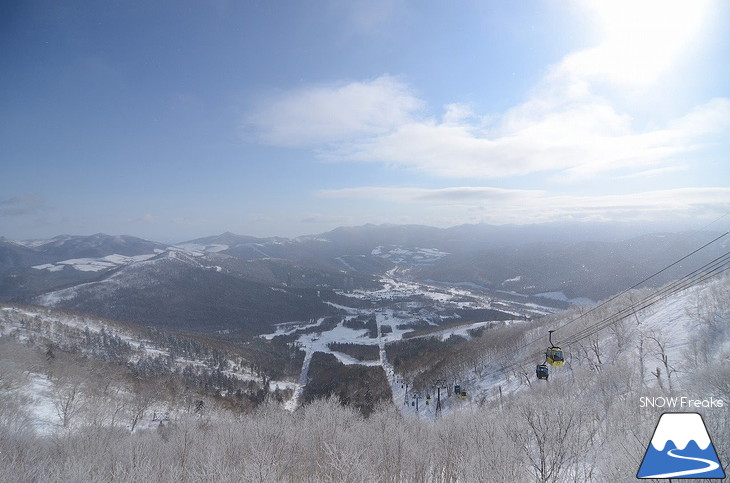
(406, 310)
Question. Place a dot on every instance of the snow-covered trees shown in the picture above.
(538, 436)
(587, 423)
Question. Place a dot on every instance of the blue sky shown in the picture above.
(173, 120)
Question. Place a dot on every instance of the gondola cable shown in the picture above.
(716, 267)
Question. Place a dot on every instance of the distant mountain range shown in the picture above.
(229, 280)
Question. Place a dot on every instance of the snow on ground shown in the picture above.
(282, 385)
(287, 328)
(538, 310)
(416, 256)
(143, 346)
(53, 298)
(347, 309)
(50, 267)
(467, 285)
(344, 262)
(293, 403)
(564, 298)
(44, 417)
(669, 322)
(255, 247)
(461, 331)
(392, 290)
(32, 243)
(393, 318)
(136, 262)
(197, 247)
(94, 264)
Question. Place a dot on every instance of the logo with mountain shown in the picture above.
(680, 448)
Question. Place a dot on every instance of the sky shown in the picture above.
(172, 120)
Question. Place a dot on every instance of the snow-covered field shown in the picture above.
(664, 327)
(402, 305)
(94, 264)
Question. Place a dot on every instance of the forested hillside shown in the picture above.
(588, 422)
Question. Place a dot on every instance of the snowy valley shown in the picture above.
(510, 427)
(383, 376)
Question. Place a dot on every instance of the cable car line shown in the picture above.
(588, 331)
(711, 269)
(707, 271)
(715, 268)
(643, 281)
(527, 344)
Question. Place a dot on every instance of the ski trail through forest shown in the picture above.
(293, 403)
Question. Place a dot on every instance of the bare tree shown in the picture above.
(663, 356)
(143, 396)
(67, 399)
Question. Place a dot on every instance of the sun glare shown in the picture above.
(642, 39)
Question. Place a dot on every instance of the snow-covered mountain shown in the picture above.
(181, 291)
(35, 266)
(561, 262)
(237, 282)
(589, 422)
(93, 246)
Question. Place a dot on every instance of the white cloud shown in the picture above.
(653, 172)
(146, 218)
(326, 219)
(569, 127)
(455, 194)
(320, 115)
(565, 131)
(495, 205)
(581, 140)
(22, 205)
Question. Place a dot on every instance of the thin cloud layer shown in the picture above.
(499, 206)
(568, 126)
(327, 115)
(574, 126)
(22, 205)
(574, 135)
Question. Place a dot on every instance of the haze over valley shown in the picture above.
(383, 240)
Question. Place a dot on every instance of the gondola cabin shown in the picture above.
(463, 394)
(542, 371)
(554, 356)
(457, 389)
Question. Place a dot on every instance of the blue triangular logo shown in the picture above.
(680, 448)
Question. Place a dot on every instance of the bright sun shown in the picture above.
(641, 38)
